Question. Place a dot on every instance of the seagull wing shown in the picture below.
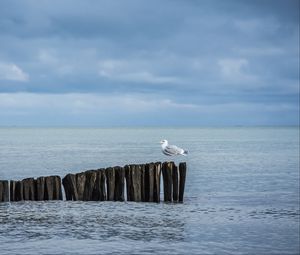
(166, 153)
(173, 150)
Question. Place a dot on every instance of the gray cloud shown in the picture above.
(190, 52)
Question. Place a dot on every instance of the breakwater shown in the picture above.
(136, 182)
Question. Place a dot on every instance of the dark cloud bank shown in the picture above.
(149, 62)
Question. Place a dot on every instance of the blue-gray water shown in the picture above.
(242, 192)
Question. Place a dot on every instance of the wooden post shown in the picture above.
(136, 178)
(80, 184)
(142, 168)
(175, 176)
(53, 188)
(152, 182)
(48, 188)
(19, 191)
(40, 188)
(89, 185)
(57, 192)
(148, 182)
(156, 187)
(119, 183)
(103, 193)
(28, 189)
(69, 183)
(168, 180)
(12, 190)
(4, 191)
(99, 191)
(182, 175)
(127, 169)
(110, 183)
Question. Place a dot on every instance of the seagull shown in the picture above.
(171, 150)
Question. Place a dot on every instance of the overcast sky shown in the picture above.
(140, 63)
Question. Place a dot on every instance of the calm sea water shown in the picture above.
(242, 192)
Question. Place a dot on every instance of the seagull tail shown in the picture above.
(185, 152)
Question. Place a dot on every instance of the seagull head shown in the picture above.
(163, 142)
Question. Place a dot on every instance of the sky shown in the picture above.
(149, 63)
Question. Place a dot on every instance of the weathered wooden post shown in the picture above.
(110, 183)
(127, 169)
(53, 188)
(80, 184)
(28, 189)
(119, 183)
(167, 168)
(40, 189)
(12, 190)
(69, 183)
(16, 190)
(57, 188)
(148, 182)
(151, 184)
(48, 188)
(103, 193)
(157, 174)
(142, 168)
(99, 191)
(89, 185)
(4, 192)
(182, 175)
(175, 176)
(136, 178)
(133, 175)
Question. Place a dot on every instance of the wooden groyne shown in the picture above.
(138, 182)
(42, 188)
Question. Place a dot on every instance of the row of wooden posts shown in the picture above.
(141, 182)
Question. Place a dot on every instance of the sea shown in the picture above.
(241, 196)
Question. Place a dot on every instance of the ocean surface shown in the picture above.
(242, 192)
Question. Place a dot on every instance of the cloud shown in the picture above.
(185, 53)
(79, 103)
(115, 109)
(12, 72)
(261, 51)
(235, 70)
(132, 71)
(50, 59)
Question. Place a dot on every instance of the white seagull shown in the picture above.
(171, 150)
